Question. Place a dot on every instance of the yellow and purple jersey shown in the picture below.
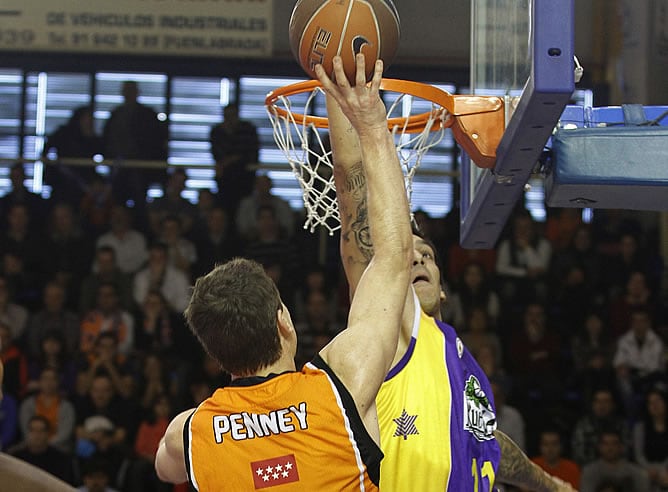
(437, 416)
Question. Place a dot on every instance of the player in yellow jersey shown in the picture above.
(435, 408)
(314, 429)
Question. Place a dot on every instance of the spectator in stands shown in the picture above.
(459, 258)
(490, 361)
(105, 270)
(613, 467)
(650, 438)
(153, 381)
(172, 203)
(159, 275)
(107, 316)
(317, 328)
(639, 358)
(593, 337)
(49, 403)
(551, 458)
(522, 262)
(181, 251)
(102, 400)
(96, 476)
(24, 284)
(142, 472)
(316, 279)
(37, 450)
(133, 131)
(162, 330)
(602, 414)
(508, 418)
(234, 147)
(15, 363)
(273, 251)
(570, 298)
(19, 194)
(13, 315)
(20, 236)
(106, 359)
(248, 210)
(580, 253)
(591, 354)
(128, 243)
(479, 335)
(70, 252)
(100, 445)
(53, 354)
(206, 201)
(216, 242)
(473, 289)
(561, 226)
(95, 206)
(636, 295)
(76, 139)
(536, 359)
(627, 259)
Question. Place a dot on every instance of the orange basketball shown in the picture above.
(322, 29)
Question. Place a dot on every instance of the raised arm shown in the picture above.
(361, 356)
(350, 179)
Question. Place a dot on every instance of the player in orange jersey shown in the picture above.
(315, 429)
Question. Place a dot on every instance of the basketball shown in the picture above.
(321, 29)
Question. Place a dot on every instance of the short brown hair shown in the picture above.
(233, 312)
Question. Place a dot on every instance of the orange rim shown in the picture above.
(413, 124)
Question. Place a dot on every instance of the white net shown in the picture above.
(306, 147)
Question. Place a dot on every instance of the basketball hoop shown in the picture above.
(477, 123)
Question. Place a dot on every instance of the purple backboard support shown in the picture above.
(545, 95)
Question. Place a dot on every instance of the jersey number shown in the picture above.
(486, 471)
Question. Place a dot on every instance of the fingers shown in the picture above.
(324, 78)
(338, 79)
(377, 75)
(360, 74)
(339, 74)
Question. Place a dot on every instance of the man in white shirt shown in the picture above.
(246, 219)
(129, 244)
(639, 354)
(161, 276)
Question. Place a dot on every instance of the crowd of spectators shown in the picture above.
(568, 320)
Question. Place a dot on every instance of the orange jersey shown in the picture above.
(293, 431)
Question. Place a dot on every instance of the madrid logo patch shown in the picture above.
(479, 417)
(274, 471)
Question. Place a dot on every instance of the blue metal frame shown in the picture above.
(546, 94)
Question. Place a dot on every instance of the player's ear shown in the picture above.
(443, 296)
(283, 321)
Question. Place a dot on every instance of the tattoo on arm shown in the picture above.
(355, 186)
(516, 469)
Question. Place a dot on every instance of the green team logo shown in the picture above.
(479, 417)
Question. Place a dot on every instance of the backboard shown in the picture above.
(522, 50)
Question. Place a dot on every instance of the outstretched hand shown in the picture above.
(360, 103)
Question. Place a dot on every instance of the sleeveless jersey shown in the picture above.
(293, 431)
(437, 416)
